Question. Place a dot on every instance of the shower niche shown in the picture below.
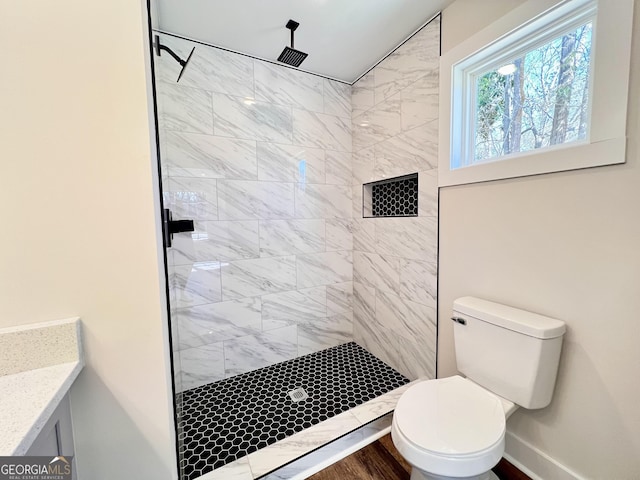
(393, 197)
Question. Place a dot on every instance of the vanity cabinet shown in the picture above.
(56, 437)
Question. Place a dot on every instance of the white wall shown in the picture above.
(79, 217)
(564, 245)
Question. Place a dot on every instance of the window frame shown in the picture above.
(537, 22)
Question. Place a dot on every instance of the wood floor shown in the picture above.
(381, 461)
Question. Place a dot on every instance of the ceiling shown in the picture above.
(344, 38)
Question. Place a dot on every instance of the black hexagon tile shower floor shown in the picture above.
(223, 421)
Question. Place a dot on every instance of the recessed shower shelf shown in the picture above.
(393, 197)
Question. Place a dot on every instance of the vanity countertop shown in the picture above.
(38, 365)
(28, 399)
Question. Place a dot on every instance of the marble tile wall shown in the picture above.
(395, 132)
(259, 155)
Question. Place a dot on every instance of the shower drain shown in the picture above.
(298, 394)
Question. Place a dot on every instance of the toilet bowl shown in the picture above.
(454, 428)
(450, 428)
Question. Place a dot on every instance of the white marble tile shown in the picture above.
(362, 94)
(414, 238)
(329, 453)
(242, 118)
(208, 156)
(337, 98)
(338, 167)
(415, 112)
(289, 237)
(233, 240)
(419, 102)
(257, 351)
(381, 122)
(367, 201)
(175, 336)
(321, 131)
(340, 298)
(222, 240)
(249, 278)
(339, 234)
(210, 68)
(419, 282)
(364, 235)
(238, 200)
(323, 268)
(201, 365)
(290, 308)
(379, 406)
(412, 60)
(322, 201)
(407, 319)
(363, 166)
(428, 193)
(236, 470)
(195, 284)
(194, 198)
(375, 339)
(185, 109)
(215, 322)
(177, 370)
(280, 453)
(356, 204)
(373, 270)
(326, 332)
(364, 304)
(416, 358)
(408, 152)
(290, 163)
(285, 86)
(428, 84)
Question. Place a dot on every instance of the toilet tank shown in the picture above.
(510, 352)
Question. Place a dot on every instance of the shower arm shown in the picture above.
(160, 47)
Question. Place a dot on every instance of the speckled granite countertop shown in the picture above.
(28, 400)
(38, 365)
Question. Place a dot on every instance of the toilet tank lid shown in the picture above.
(521, 321)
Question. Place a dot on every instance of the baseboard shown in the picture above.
(536, 464)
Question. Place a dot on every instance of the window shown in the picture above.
(531, 93)
(536, 100)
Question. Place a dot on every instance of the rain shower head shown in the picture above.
(290, 55)
(159, 47)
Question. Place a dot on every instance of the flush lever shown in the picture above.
(171, 226)
(459, 320)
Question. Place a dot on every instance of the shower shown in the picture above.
(284, 312)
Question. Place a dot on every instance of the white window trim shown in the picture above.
(609, 83)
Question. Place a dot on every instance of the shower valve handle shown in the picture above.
(177, 226)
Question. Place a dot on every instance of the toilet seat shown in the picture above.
(449, 426)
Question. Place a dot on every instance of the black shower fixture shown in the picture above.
(290, 55)
(183, 63)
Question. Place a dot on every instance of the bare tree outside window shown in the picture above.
(538, 100)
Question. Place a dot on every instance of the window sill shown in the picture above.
(569, 157)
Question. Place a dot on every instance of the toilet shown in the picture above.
(454, 428)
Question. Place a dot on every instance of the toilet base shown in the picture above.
(418, 475)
